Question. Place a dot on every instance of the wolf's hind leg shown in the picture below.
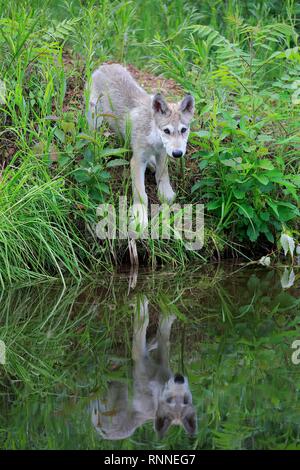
(93, 115)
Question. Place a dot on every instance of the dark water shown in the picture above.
(77, 375)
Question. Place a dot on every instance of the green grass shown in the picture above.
(233, 335)
(37, 234)
(241, 61)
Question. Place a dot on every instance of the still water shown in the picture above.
(204, 359)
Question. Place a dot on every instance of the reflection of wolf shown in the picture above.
(158, 394)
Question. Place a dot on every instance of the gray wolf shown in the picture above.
(158, 395)
(158, 129)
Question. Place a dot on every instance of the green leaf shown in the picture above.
(196, 186)
(262, 179)
(269, 236)
(203, 164)
(104, 188)
(246, 210)
(286, 213)
(60, 135)
(238, 193)
(104, 175)
(68, 127)
(252, 233)
(88, 138)
(232, 162)
(96, 195)
(205, 134)
(63, 159)
(214, 205)
(273, 206)
(266, 164)
(264, 216)
(117, 162)
(80, 144)
(275, 176)
(82, 176)
(110, 152)
(88, 155)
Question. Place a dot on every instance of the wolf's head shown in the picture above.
(173, 121)
(175, 406)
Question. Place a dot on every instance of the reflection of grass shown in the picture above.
(63, 347)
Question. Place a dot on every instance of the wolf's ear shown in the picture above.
(187, 105)
(190, 423)
(159, 105)
(162, 424)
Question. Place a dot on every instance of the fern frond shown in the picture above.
(61, 31)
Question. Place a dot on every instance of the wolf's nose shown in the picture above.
(177, 153)
(178, 379)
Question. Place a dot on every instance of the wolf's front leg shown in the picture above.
(139, 210)
(141, 321)
(94, 114)
(165, 191)
(163, 338)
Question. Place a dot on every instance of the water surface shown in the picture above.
(231, 337)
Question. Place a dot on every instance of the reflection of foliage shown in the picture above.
(63, 348)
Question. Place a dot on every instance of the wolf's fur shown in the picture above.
(125, 105)
(156, 394)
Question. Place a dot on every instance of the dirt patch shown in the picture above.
(152, 83)
(7, 148)
(74, 95)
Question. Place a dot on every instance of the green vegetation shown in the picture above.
(241, 61)
(233, 337)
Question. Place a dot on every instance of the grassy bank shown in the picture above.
(240, 60)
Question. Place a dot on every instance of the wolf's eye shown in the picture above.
(169, 400)
(167, 131)
(183, 130)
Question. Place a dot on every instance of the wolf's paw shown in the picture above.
(167, 320)
(166, 193)
(165, 325)
(138, 220)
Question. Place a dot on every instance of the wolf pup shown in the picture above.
(158, 394)
(158, 129)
